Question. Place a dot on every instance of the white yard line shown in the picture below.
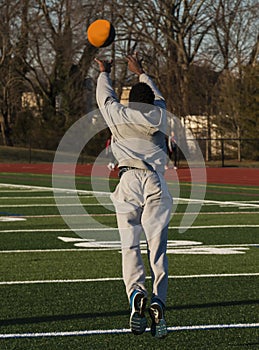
(105, 194)
(46, 197)
(17, 251)
(101, 215)
(222, 204)
(52, 189)
(213, 202)
(107, 279)
(230, 203)
(59, 230)
(124, 331)
(213, 226)
(32, 205)
(115, 229)
(68, 215)
(238, 204)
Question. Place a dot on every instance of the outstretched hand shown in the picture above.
(134, 64)
(104, 65)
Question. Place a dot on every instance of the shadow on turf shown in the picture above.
(208, 305)
(54, 318)
(246, 344)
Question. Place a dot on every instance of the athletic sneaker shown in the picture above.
(158, 326)
(138, 321)
(111, 166)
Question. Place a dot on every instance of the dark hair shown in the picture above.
(141, 92)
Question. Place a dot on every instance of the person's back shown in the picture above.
(138, 138)
(139, 129)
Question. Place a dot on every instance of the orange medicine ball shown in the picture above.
(101, 33)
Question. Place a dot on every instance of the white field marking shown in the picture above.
(112, 215)
(124, 331)
(231, 206)
(17, 189)
(249, 201)
(183, 250)
(116, 229)
(108, 279)
(66, 190)
(75, 239)
(207, 251)
(203, 201)
(60, 230)
(45, 250)
(66, 215)
(211, 226)
(11, 218)
(173, 247)
(92, 242)
(53, 205)
(245, 204)
(60, 250)
(212, 202)
(22, 190)
(172, 214)
(106, 193)
(244, 207)
(237, 204)
(92, 196)
(116, 245)
(218, 212)
(46, 197)
(96, 248)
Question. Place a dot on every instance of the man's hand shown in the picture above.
(104, 66)
(134, 64)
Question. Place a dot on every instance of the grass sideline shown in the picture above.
(33, 155)
(213, 289)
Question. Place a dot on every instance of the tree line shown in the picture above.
(202, 53)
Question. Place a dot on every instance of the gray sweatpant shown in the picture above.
(143, 204)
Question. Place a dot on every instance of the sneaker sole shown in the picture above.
(138, 321)
(158, 326)
(138, 324)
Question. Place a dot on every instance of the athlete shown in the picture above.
(141, 199)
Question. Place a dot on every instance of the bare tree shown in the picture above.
(170, 33)
(235, 33)
(13, 50)
(192, 48)
(60, 58)
(236, 47)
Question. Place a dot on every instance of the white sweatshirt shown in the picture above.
(138, 133)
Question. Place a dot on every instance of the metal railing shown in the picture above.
(228, 149)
